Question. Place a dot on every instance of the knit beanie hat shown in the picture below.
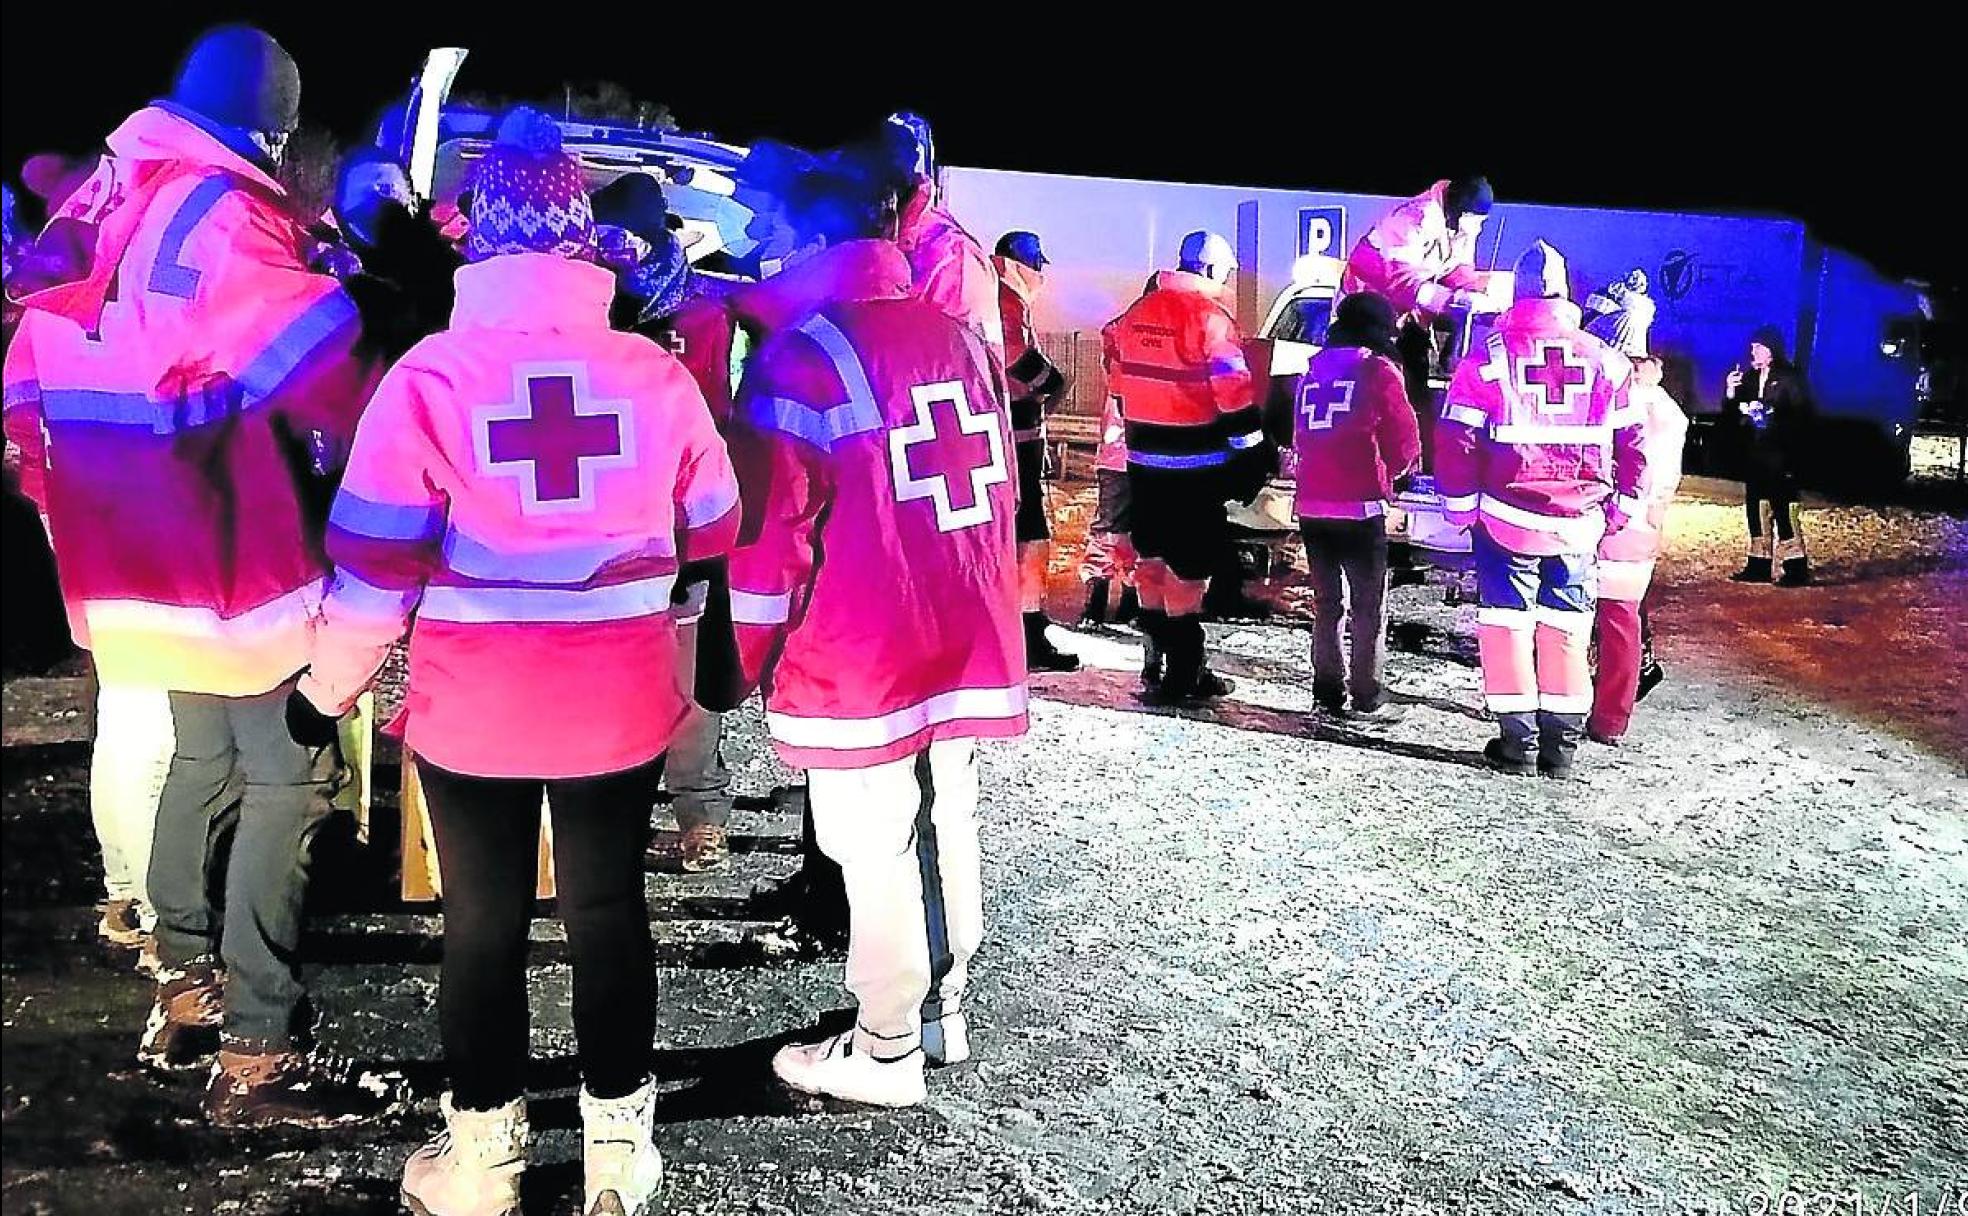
(528, 196)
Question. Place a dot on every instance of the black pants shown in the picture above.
(1781, 494)
(1348, 562)
(487, 832)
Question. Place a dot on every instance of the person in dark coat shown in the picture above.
(1769, 402)
(395, 263)
(652, 281)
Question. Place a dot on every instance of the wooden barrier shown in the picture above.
(421, 881)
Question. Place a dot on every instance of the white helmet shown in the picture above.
(1541, 274)
(1207, 254)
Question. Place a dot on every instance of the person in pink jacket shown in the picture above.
(1421, 256)
(1541, 451)
(526, 486)
(947, 266)
(1626, 564)
(875, 599)
(1354, 434)
(174, 399)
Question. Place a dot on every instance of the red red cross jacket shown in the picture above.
(875, 592)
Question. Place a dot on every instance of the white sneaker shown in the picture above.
(474, 1165)
(620, 1164)
(945, 1039)
(835, 1069)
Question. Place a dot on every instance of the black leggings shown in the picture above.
(1782, 497)
(487, 831)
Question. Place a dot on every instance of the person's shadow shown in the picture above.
(1103, 689)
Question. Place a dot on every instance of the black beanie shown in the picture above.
(1772, 337)
(1364, 319)
(238, 76)
(634, 201)
(1468, 196)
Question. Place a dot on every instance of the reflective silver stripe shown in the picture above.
(1200, 460)
(821, 428)
(1552, 433)
(1246, 441)
(1565, 619)
(1467, 415)
(848, 734)
(106, 615)
(1577, 703)
(750, 608)
(487, 605)
(840, 351)
(710, 504)
(360, 598)
(1583, 531)
(1511, 702)
(1461, 502)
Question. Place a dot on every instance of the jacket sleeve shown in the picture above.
(1408, 280)
(1397, 431)
(1280, 409)
(285, 336)
(24, 427)
(1221, 352)
(1462, 436)
(1032, 375)
(384, 535)
(1791, 414)
(963, 284)
(782, 454)
(1628, 419)
(706, 489)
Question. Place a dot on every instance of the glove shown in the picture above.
(307, 725)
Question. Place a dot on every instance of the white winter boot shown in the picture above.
(474, 1165)
(832, 1067)
(622, 1168)
(945, 1038)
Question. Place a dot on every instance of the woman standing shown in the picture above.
(527, 484)
(1775, 414)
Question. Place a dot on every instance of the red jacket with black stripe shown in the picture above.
(1175, 362)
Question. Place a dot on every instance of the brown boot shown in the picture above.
(122, 923)
(261, 1085)
(182, 1032)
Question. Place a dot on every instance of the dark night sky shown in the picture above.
(1846, 127)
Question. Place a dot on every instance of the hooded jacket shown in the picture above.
(171, 400)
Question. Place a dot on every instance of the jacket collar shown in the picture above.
(1189, 283)
(1023, 281)
(851, 270)
(1534, 314)
(164, 130)
(532, 292)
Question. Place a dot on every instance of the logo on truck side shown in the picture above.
(1677, 273)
